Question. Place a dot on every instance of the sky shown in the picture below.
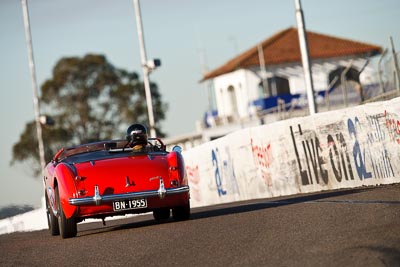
(189, 36)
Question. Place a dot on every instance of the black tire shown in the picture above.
(161, 214)
(52, 221)
(181, 213)
(68, 227)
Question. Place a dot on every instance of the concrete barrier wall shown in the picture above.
(353, 147)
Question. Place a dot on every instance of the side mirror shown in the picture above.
(177, 149)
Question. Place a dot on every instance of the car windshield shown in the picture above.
(91, 147)
(113, 146)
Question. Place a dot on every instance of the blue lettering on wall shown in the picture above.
(358, 153)
(217, 174)
(373, 149)
(229, 173)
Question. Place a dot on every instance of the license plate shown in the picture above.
(130, 204)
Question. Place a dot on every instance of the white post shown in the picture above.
(34, 84)
(305, 58)
(395, 64)
(145, 68)
(263, 70)
(380, 71)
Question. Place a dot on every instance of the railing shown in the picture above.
(384, 96)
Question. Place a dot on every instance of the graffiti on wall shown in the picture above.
(313, 169)
(262, 155)
(370, 150)
(365, 150)
(224, 173)
(193, 176)
(393, 127)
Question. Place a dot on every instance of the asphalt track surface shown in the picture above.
(354, 227)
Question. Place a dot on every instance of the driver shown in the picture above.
(136, 135)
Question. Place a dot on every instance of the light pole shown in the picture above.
(147, 67)
(305, 58)
(395, 64)
(34, 84)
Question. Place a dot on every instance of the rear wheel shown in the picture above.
(181, 213)
(52, 221)
(68, 227)
(161, 214)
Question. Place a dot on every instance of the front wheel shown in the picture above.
(68, 227)
(181, 213)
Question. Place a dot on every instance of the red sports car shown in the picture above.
(117, 177)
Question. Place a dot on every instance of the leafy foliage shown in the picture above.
(89, 100)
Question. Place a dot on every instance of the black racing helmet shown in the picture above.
(136, 135)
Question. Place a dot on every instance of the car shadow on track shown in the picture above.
(215, 211)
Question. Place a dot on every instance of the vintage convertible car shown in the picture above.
(116, 177)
